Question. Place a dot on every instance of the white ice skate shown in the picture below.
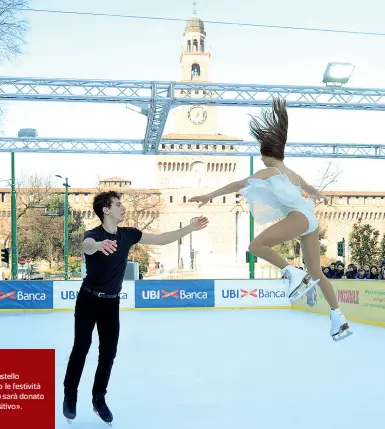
(299, 282)
(340, 326)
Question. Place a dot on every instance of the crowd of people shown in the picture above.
(337, 270)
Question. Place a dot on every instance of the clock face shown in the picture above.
(197, 115)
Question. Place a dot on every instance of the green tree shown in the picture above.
(363, 244)
(39, 236)
(382, 249)
(76, 225)
(41, 230)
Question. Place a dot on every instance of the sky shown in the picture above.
(68, 46)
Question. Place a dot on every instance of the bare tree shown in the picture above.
(31, 191)
(328, 177)
(143, 210)
(12, 27)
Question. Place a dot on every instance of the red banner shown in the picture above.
(27, 389)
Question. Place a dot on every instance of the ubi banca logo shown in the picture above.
(18, 295)
(178, 294)
(254, 293)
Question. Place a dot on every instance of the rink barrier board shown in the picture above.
(362, 301)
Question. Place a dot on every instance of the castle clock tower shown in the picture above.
(195, 63)
(179, 177)
(195, 122)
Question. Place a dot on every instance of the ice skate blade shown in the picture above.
(298, 293)
(69, 421)
(107, 423)
(342, 335)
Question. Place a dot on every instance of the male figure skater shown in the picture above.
(106, 249)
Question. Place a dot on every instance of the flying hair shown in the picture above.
(271, 130)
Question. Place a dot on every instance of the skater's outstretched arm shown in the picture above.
(230, 188)
(90, 246)
(169, 237)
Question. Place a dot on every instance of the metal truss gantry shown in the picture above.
(156, 99)
(187, 147)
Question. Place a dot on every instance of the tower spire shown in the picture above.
(194, 8)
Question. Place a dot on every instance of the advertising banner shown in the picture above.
(361, 300)
(251, 293)
(66, 292)
(174, 293)
(26, 295)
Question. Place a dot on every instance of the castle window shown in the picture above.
(224, 200)
(170, 198)
(211, 201)
(195, 45)
(189, 46)
(195, 70)
(202, 45)
(184, 199)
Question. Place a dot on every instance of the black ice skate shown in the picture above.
(69, 408)
(101, 409)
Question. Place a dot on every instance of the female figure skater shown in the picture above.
(274, 193)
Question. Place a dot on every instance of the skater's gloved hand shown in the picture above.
(107, 246)
(198, 223)
(204, 199)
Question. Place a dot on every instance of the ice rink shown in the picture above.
(218, 369)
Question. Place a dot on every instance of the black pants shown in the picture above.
(91, 310)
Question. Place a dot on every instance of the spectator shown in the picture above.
(374, 273)
(351, 272)
(362, 274)
(367, 269)
(332, 270)
(339, 272)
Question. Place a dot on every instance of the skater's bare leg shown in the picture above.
(311, 253)
(287, 229)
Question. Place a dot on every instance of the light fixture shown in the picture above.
(338, 73)
(27, 133)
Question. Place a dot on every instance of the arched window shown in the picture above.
(202, 45)
(195, 70)
(189, 46)
(224, 200)
(184, 199)
(195, 45)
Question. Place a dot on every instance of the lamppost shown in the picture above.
(251, 256)
(66, 185)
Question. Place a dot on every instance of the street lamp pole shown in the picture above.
(66, 215)
(251, 256)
